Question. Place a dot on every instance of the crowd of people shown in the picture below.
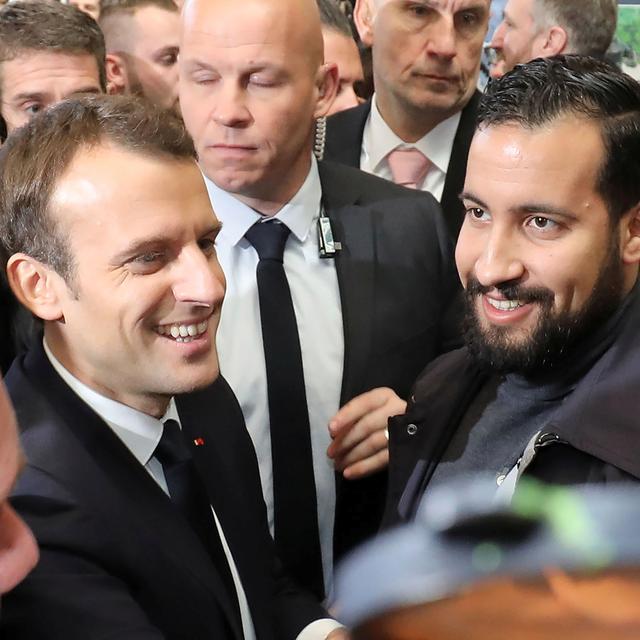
(275, 273)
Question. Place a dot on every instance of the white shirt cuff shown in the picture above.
(319, 629)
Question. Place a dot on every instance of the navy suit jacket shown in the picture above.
(344, 143)
(117, 560)
(399, 293)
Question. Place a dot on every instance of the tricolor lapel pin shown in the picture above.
(198, 442)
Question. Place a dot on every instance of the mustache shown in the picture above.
(511, 291)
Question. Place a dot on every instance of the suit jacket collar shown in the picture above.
(105, 472)
(344, 143)
(353, 225)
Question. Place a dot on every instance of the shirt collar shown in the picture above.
(436, 145)
(139, 431)
(298, 214)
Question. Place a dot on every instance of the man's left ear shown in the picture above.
(557, 42)
(328, 83)
(631, 236)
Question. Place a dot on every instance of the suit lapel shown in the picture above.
(354, 227)
(224, 455)
(112, 477)
(454, 182)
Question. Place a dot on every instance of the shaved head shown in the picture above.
(295, 22)
(250, 91)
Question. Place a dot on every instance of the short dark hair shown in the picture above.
(332, 17)
(543, 90)
(35, 157)
(110, 8)
(40, 25)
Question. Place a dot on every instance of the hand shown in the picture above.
(339, 634)
(360, 443)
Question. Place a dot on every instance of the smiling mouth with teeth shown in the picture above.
(505, 305)
(183, 332)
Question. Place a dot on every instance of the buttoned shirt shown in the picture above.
(316, 300)
(378, 140)
(141, 433)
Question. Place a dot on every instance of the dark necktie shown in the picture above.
(188, 494)
(294, 492)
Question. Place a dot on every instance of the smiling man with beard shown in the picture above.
(548, 254)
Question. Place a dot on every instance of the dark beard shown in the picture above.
(555, 335)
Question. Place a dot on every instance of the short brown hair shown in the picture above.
(114, 7)
(35, 157)
(50, 26)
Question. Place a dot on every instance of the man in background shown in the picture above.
(543, 28)
(48, 52)
(417, 128)
(341, 48)
(141, 38)
(338, 281)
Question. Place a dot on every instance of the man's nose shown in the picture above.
(230, 108)
(198, 278)
(442, 39)
(500, 260)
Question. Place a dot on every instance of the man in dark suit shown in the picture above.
(418, 126)
(365, 267)
(142, 487)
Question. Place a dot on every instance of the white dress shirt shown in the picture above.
(316, 300)
(378, 140)
(141, 433)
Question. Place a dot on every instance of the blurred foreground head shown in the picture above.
(555, 563)
(18, 550)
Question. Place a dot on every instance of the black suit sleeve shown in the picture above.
(78, 599)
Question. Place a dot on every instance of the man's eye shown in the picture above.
(542, 223)
(468, 20)
(207, 246)
(261, 81)
(169, 60)
(148, 258)
(418, 10)
(33, 108)
(476, 213)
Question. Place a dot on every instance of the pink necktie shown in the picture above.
(408, 167)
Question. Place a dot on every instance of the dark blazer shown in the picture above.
(590, 438)
(117, 560)
(344, 143)
(399, 292)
